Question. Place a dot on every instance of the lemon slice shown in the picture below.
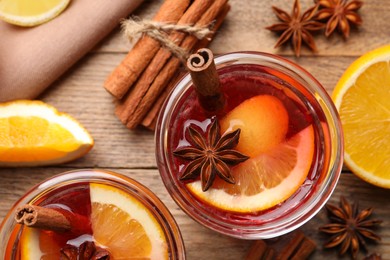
(33, 133)
(31, 13)
(362, 97)
(124, 226)
(265, 180)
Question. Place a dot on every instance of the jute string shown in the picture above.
(159, 31)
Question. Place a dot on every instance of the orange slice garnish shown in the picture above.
(265, 180)
(124, 226)
(263, 121)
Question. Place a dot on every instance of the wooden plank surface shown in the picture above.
(244, 29)
(79, 92)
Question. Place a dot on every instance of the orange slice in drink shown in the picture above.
(35, 244)
(124, 226)
(33, 133)
(120, 223)
(263, 121)
(265, 180)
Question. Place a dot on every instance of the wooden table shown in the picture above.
(80, 93)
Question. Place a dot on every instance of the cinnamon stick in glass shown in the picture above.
(206, 80)
(54, 219)
(131, 114)
(127, 72)
(42, 218)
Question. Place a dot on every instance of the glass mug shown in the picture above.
(74, 190)
(236, 211)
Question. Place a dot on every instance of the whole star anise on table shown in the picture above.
(349, 227)
(296, 27)
(339, 13)
(210, 155)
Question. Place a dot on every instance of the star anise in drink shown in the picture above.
(349, 227)
(339, 14)
(296, 27)
(86, 251)
(210, 155)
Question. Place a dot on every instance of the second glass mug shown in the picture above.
(73, 190)
(281, 75)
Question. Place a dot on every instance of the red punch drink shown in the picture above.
(265, 162)
(90, 214)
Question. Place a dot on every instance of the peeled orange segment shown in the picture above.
(362, 97)
(31, 13)
(33, 133)
(124, 226)
(263, 121)
(263, 181)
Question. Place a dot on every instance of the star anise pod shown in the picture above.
(350, 227)
(86, 251)
(296, 27)
(339, 13)
(210, 155)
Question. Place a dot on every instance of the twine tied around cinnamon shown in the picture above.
(159, 31)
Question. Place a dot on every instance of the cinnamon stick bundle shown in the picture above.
(192, 14)
(150, 118)
(135, 106)
(123, 76)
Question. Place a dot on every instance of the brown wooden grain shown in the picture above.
(80, 93)
(245, 29)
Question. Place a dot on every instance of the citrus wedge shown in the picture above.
(124, 226)
(33, 133)
(265, 180)
(263, 121)
(30, 242)
(362, 97)
(31, 13)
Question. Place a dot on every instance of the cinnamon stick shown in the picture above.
(192, 15)
(292, 246)
(304, 250)
(205, 79)
(123, 76)
(133, 117)
(150, 119)
(260, 251)
(42, 218)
